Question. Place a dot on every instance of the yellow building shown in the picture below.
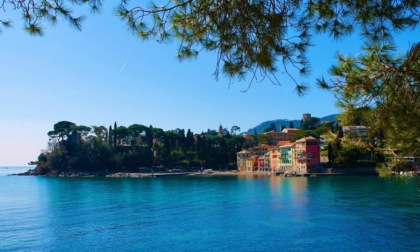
(241, 158)
(251, 163)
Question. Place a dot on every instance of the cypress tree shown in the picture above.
(291, 126)
(330, 153)
(189, 141)
(340, 133)
(109, 136)
(115, 134)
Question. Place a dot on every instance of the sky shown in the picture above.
(105, 74)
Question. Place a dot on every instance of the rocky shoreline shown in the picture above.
(169, 174)
(124, 174)
(336, 171)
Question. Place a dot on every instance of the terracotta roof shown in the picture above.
(281, 143)
(306, 138)
(263, 146)
(287, 145)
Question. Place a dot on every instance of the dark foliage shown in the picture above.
(79, 149)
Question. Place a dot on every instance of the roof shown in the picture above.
(263, 146)
(281, 143)
(287, 145)
(304, 139)
(354, 127)
(286, 130)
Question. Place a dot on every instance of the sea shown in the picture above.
(208, 213)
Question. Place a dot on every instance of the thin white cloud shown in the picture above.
(123, 66)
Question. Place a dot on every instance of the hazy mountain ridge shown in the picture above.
(278, 122)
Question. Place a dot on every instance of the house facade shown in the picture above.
(261, 149)
(284, 135)
(358, 130)
(241, 158)
(264, 162)
(260, 163)
(274, 159)
(306, 155)
(285, 158)
(251, 163)
(267, 161)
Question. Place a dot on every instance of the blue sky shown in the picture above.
(105, 74)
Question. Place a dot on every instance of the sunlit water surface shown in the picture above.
(218, 213)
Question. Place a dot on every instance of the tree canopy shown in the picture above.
(310, 123)
(254, 38)
(78, 148)
(381, 89)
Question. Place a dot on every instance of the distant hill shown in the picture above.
(329, 118)
(296, 123)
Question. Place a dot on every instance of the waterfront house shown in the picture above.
(251, 163)
(286, 158)
(274, 159)
(267, 161)
(300, 157)
(260, 163)
(306, 155)
(241, 158)
(264, 162)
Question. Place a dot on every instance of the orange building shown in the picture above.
(274, 159)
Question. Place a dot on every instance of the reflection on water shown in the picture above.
(209, 213)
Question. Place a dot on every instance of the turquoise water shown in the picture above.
(219, 213)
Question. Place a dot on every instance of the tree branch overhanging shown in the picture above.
(250, 37)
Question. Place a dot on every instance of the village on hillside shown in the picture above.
(291, 158)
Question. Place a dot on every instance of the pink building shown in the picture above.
(284, 135)
(306, 155)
